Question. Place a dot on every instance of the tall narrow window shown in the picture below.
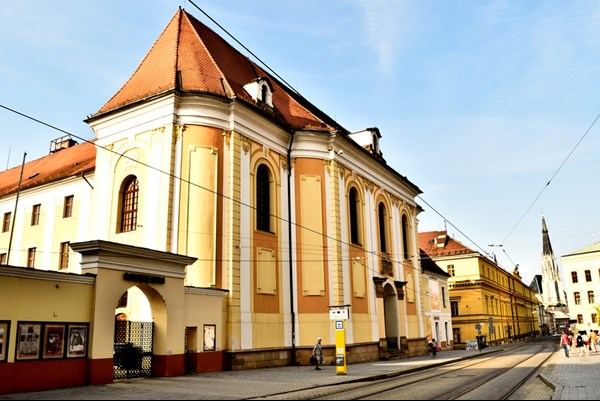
(64, 256)
(451, 272)
(405, 248)
(263, 199)
(31, 257)
(355, 218)
(129, 204)
(3, 257)
(577, 297)
(382, 228)
(588, 276)
(574, 277)
(591, 297)
(68, 207)
(35, 215)
(6, 222)
(444, 297)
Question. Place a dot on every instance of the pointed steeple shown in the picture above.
(547, 246)
(553, 293)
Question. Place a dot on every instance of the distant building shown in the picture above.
(486, 301)
(582, 272)
(436, 302)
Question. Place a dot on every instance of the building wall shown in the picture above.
(53, 228)
(45, 300)
(579, 263)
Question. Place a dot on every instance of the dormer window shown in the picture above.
(261, 91)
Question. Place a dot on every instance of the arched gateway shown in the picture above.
(160, 277)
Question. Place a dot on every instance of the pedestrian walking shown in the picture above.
(564, 342)
(586, 343)
(433, 347)
(578, 343)
(318, 353)
(594, 340)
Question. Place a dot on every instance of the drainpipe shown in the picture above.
(289, 190)
(14, 217)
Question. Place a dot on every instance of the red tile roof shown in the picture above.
(209, 65)
(65, 163)
(428, 242)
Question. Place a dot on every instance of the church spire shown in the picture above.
(547, 246)
(552, 286)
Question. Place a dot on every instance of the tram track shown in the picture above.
(490, 376)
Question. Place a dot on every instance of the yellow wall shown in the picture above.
(37, 300)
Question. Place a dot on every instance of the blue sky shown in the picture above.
(480, 103)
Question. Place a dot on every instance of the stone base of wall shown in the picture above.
(356, 353)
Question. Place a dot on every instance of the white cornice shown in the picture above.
(37, 274)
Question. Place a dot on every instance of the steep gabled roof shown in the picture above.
(63, 164)
(439, 243)
(191, 58)
(428, 265)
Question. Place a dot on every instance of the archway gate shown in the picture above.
(133, 349)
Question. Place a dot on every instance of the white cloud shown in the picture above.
(388, 27)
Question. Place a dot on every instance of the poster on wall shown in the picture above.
(210, 343)
(4, 333)
(54, 341)
(28, 341)
(77, 346)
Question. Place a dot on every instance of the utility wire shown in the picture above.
(551, 178)
(248, 50)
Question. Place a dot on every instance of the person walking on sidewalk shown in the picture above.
(594, 341)
(433, 347)
(318, 353)
(564, 342)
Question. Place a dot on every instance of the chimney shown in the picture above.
(61, 143)
(441, 240)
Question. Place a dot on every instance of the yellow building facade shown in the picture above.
(486, 301)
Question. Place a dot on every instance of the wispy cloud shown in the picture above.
(388, 28)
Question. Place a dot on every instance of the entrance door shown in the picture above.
(132, 349)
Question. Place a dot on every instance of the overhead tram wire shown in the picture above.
(551, 178)
(247, 49)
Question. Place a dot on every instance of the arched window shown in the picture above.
(129, 198)
(264, 93)
(355, 217)
(263, 199)
(405, 247)
(382, 214)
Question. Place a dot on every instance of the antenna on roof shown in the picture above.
(8, 158)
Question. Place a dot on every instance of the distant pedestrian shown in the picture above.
(578, 343)
(433, 347)
(564, 342)
(318, 353)
(586, 343)
(594, 340)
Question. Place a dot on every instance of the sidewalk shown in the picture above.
(568, 378)
(573, 378)
(245, 384)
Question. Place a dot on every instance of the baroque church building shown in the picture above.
(219, 205)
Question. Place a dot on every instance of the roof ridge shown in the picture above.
(106, 106)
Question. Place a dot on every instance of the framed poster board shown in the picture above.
(54, 341)
(4, 335)
(210, 342)
(28, 341)
(77, 341)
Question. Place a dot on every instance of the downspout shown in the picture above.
(289, 199)
(14, 217)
